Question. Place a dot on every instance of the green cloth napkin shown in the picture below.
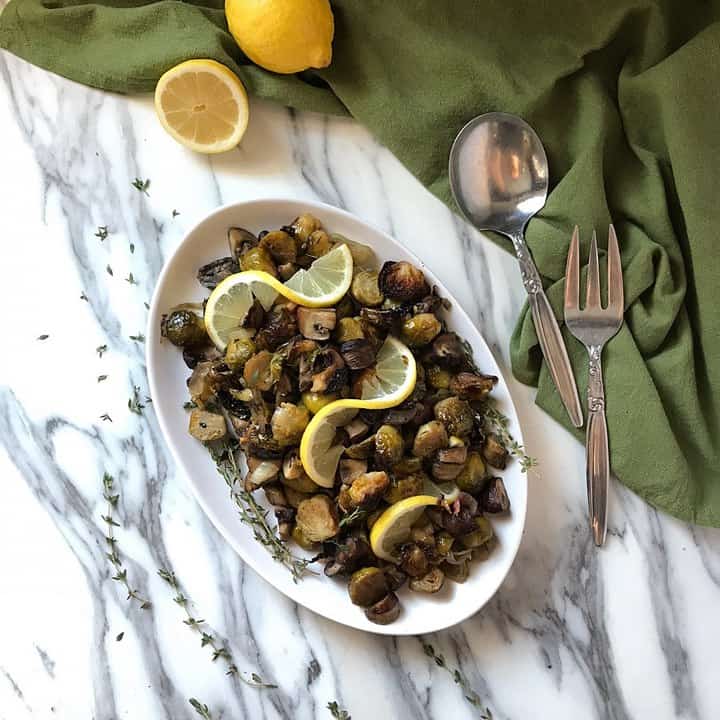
(625, 94)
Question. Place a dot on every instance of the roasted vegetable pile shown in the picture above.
(283, 365)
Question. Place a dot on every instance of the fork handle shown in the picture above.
(598, 452)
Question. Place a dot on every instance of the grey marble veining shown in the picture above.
(627, 633)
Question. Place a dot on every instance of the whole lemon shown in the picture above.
(285, 36)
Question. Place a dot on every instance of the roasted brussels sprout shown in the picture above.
(395, 577)
(206, 426)
(445, 471)
(239, 240)
(281, 246)
(184, 328)
(280, 326)
(413, 560)
(472, 477)
(358, 354)
(361, 450)
(239, 351)
(402, 281)
(447, 351)
(317, 519)
(494, 452)
(367, 586)
(494, 498)
(212, 274)
(349, 328)
(294, 497)
(329, 373)
(482, 533)
(419, 330)
(299, 536)
(258, 258)
(457, 572)
(471, 386)
(409, 465)
(384, 611)
(288, 423)
(423, 532)
(304, 225)
(405, 487)
(351, 555)
(443, 543)
(455, 414)
(438, 378)
(316, 323)
(389, 446)
(319, 244)
(275, 494)
(365, 289)
(256, 372)
(302, 483)
(430, 437)
(431, 582)
(382, 319)
(315, 401)
(351, 469)
(367, 489)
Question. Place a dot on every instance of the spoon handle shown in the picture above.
(549, 335)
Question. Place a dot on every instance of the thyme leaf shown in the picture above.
(134, 404)
(131, 279)
(102, 232)
(105, 417)
(84, 297)
(202, 710)
(137, 338)
(100, 349)
(175, 213)
(337, 712)
(109, 270)
(44, 336)
(141, 185)
(101, 378)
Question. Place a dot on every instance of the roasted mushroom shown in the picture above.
(384, 611)
(317, 519)
(494, 498)
(367, 586)
(388, 446)
(349, 328)
(316, 323)
(365, 289)
(358, 354)
(288, 423)
(413, 560)
(239, 240)
(431, 582)
(212, 274)
(280, 326)
(367, 489)
(471, 386)
(318, 244)
(200, 384)
(184, 328)
(361, 450)
(456, 415)
(303, 226)
(207, 426)
(430, 437)
(447, 351)
(494, 452)
(329, 371)
(402, 281)
(256, 372)
(350, 555)
(419, 330)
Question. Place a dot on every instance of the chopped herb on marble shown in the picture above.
(337, 712)
(102, 232)
(84, 297)
(109, 270)
(470, 695)
(207, 638)
(112, 553)
(253, 515)
(101, 378)
(497, 423)
(147, 305)
(132, 248)
(131, 279)
(134, 404)
(43, 337)
(137, 338)
(141, 185)
(106, 418)
(202, 710)
(100, 349)
(175, 213)
(119, 636)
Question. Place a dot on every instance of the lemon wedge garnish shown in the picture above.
(203, 105)
(391, 382)
(323, 284)
(392, 528)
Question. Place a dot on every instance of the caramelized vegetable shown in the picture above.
(206, 426)
(402, 281)
(316, 518)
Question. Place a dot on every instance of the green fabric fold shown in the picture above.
(625, 96)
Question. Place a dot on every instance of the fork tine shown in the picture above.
(616, 300)
(592, 299)
(572, 274)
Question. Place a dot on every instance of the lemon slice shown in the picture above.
(324, 283)
(203, 105)
(392, 528)
(391, 383)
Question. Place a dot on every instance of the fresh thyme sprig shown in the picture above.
(134, 404)
(131, 279)
(207, 638)
(357, 514)
(141, 185)
(337, 712)
(112, 553)
(495, 422)
(137, 338)
(106, 418)
(102, 232)
(202, 710)
(255, 516)
(470, 695)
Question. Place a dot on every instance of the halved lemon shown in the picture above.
(392, 382)
(203, 105)
(392, 528)
(322, 284)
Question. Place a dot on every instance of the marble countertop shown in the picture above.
(628, 632)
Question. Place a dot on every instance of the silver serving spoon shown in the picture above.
(499, 178)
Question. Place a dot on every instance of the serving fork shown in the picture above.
(594, 326)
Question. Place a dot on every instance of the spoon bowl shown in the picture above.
(498, 172)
